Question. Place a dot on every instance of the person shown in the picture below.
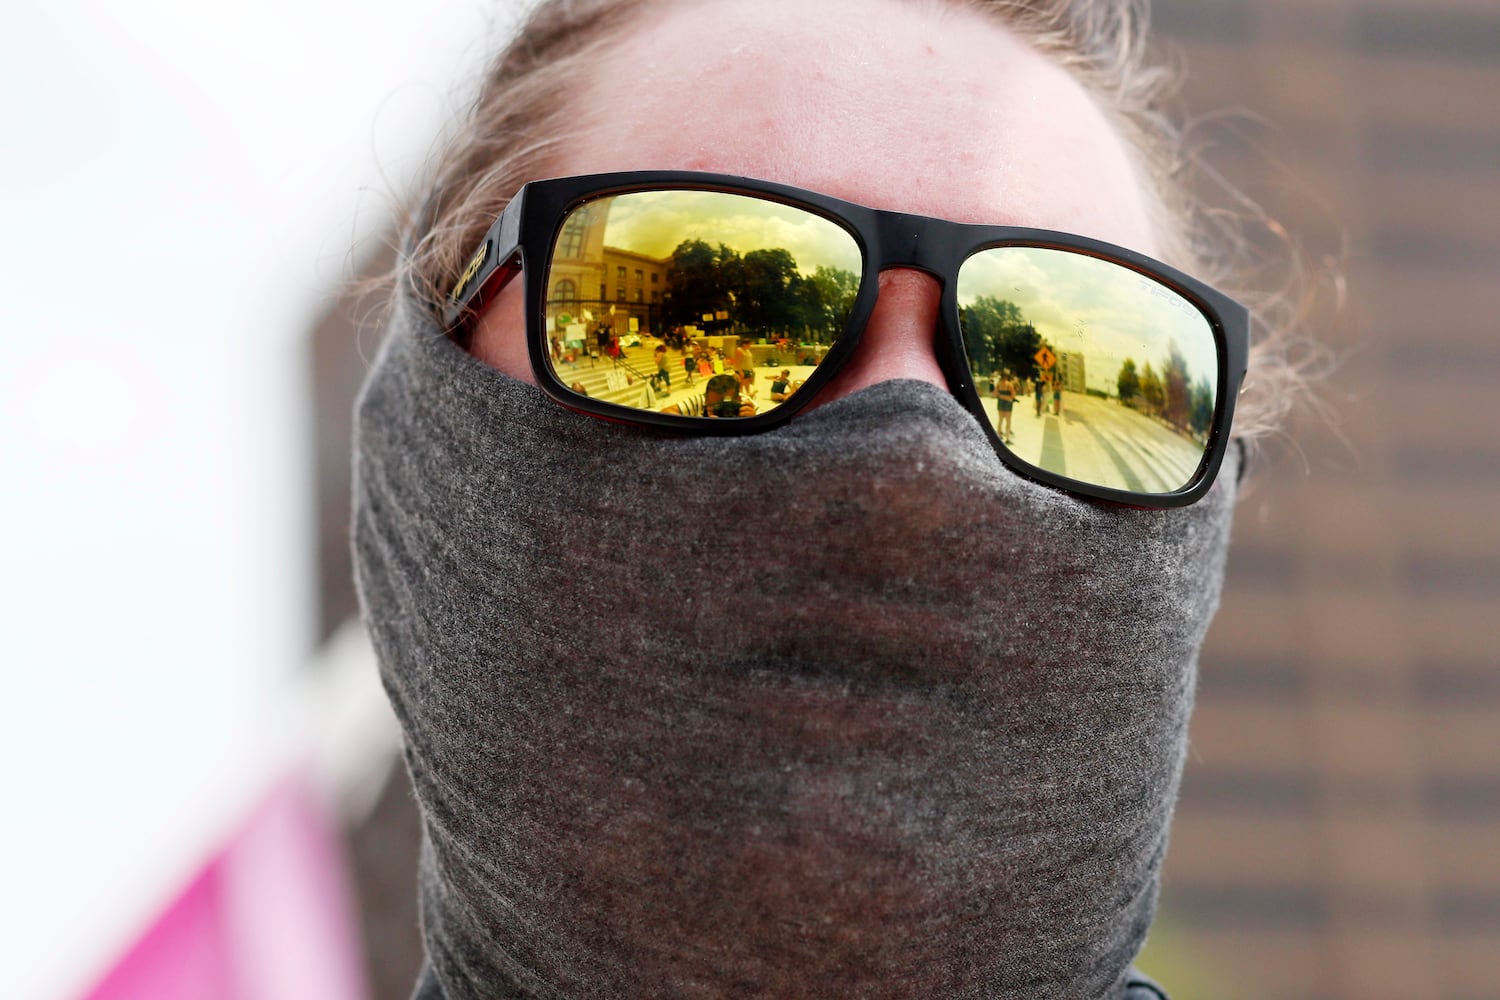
(781, 386)
(1057, 391)
(883, 774)
(1038, 389)
(721, 398)
(744, 365)
(1005, 402)
(663, 376)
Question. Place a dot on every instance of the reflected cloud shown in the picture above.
(656, 222)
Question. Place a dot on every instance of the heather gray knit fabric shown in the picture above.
(842, 709)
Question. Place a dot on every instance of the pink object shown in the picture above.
(268, 918)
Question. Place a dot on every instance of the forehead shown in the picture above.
(916, 107)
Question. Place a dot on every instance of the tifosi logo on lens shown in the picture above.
(473, 269)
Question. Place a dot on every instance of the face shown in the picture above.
(907, 107)
(878, 738)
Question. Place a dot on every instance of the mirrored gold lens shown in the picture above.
(696, 303)
(1087, 369)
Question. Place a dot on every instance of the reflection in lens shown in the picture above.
(1088, 369)
(696, 303)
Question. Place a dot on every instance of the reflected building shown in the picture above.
(1070, 370)
(587, 274)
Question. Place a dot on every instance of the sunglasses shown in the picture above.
(1092, 369)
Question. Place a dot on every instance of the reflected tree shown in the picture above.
(699, 281)
(1172, 395)
(1152, 395)
(1175, 403)
(1201, 407)
(828, 295)
(764, 291)
(997, 335)
(1129, 382)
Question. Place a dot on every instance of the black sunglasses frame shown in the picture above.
(522, 238)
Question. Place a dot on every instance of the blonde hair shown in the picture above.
(516, 127)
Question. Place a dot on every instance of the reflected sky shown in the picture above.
(655, 222)
(1101, 310)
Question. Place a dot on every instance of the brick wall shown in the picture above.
(1339, 833)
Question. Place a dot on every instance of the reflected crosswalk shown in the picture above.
(1100, 441)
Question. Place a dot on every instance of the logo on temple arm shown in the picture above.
(480, 256)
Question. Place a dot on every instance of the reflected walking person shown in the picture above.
(663, 377)
(1005, 402)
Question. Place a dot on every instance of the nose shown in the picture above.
(900, 339)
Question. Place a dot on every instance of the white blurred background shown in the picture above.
(184, 187)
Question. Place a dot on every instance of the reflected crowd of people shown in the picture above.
(722, 372)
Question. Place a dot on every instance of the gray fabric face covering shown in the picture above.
(841, 709)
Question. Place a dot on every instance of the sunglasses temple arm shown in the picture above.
(492, 264)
